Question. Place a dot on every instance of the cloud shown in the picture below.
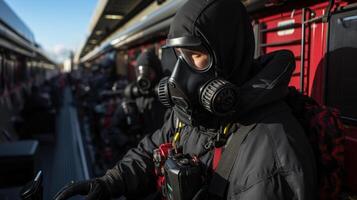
(59, 49)
(59, 52)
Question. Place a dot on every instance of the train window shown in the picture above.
(11, 71)
(28, 70)
(16, 70)
(20, 69)
(1, 74)
(33, 68)
(342, 68)
(5, 70)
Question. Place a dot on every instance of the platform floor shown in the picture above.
(64, 158)
(61, 158)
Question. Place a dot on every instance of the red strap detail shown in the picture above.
(164, 150)
(216, 157)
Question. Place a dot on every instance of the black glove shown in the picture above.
(95, 189)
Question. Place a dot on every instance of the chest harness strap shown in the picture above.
(218, 150)
(220, 180)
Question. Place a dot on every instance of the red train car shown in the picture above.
(323, 37)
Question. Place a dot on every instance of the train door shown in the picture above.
(20, 70)
(341, 85)
(5, 71)
(1, 73)
(10, 65)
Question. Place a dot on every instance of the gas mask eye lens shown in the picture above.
(198, 58)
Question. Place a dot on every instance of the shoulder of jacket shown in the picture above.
(279, 139)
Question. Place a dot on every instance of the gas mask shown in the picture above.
(195, 87)
(144, 80)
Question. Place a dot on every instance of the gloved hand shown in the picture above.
(95, 189)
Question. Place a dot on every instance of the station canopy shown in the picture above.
(109, 16)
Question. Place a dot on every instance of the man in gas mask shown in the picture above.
(140, 112)
(221, 100)
(148, 72)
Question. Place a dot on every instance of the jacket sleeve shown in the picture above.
(134, 175)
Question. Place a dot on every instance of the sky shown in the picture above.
(59, 26)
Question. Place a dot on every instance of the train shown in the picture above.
(23, 63)
(321, 34)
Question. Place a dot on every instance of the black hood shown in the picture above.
(224, 27)
(149, 58)
(270, 77)
(272, 74)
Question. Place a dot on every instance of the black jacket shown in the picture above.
(275, 159)
(152, 112)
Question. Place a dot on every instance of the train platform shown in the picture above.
(61, 160)
(65, 160)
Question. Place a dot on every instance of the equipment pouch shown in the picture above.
(183, 177)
